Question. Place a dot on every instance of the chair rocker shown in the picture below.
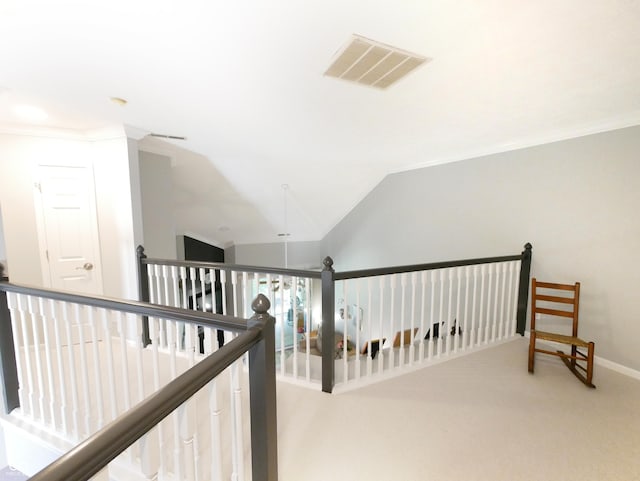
(560, 301)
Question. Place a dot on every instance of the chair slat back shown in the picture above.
(551, 303)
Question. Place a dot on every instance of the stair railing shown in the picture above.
(37, 325)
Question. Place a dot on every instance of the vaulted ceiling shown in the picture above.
(244, 82)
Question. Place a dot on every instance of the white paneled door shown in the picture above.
(68, 228)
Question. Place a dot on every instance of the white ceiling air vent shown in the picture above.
(373, 63)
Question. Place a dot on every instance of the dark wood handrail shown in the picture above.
(233, 267)
(208, 319)
(422, 267)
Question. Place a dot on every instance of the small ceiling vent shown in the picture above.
(373, 63)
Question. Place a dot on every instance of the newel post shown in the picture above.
(328, 325)
(8, 369)
(143, 291)
(523, 289)
(262, 388)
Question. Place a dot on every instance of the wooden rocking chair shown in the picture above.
(554, 301)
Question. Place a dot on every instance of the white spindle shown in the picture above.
(403, 310)
(51, 390)
(71, 370)
(432, 302)
(283, 323)
(423, 300)
(216, 441)
(359, 327)
(12, 302)
(370, 328)
(447, 333)
(97, 371)
(513, 296)
(106, 328)
(458, 321)
(413, 338)
(84, 373)
(441, 316)
(124, 363)
(34, 314)
(482, 318)
(308, 324)
(380, 325)
(392, 288)
(137, 322)
(496, 290)
(475, 333)
(503, 300)
(57, 339)
(150, 454)
(345, 334)
(294, 325)
(23, 332)
(465, 329)
(236, 416)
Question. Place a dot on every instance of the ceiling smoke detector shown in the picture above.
(372, 63)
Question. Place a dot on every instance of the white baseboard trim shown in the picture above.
(601, 361)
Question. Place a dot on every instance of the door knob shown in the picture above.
(87, 266)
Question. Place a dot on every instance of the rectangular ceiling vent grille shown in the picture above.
(373, 63)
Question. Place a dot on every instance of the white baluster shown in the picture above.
(441, 314)
(466, 334)
(403, 290)
(124, 362)
(380, 325)
(57, 339)
(12, 303)
(23, 334)
(370, 328)
(236, 416)
(458, 321)
(513, 296)
(71, 369)
(34, 314)
(150, 454)
(216, 443)
(186, 414)
(84, 374)
(308, 320)
(432, 303)
(423, 301)
(51, 390)
(358, 321)
(345, 334)
(447, 333)
(503, 298)
(494, 325)
(392, 288)
(412, 341)
(106, 327)
(483, 318)
(293, 290)
(97, 371)
(475, 334)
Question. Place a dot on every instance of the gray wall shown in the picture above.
(576, 201)
(159, 232)
(300, 255)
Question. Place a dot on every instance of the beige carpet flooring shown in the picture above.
(482, 417)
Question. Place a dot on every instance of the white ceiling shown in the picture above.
(243, 81)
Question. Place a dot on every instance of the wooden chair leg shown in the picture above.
(532, 350)
(574, 353)
(590, 350)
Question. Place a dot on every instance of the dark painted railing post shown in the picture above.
(262, 388)
(523, 289)
(8, 369)
(143, 291)
(328, 325)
